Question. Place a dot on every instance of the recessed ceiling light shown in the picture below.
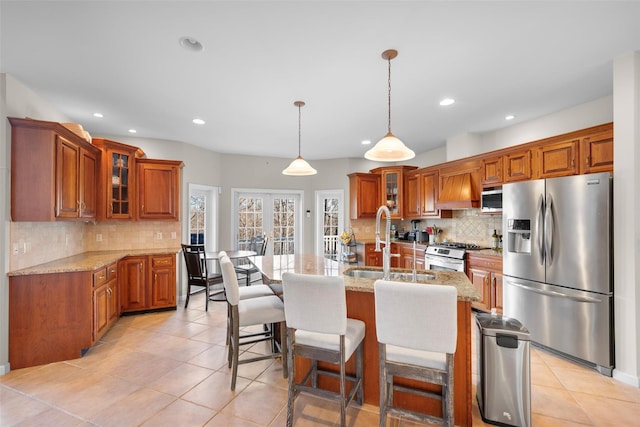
(198, 121)
(447, 101)
(191, 44)
(510, 117)
(99, 115)
(366, 142)
(132, 131)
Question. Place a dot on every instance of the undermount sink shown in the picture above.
(377, 274)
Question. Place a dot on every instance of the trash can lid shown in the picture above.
(491, 324)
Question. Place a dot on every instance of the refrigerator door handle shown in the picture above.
(555, 294)
(539, 225)
(548, 230)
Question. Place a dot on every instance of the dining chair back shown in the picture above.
(416, 327)
(198, 277)
(318, 329)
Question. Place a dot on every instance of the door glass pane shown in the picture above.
(330, 227)
(283, 226)
(197, 212)
(249, 220)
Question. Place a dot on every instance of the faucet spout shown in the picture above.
(386, 252)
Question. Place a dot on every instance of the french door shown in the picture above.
(271, 214)
(329, 222)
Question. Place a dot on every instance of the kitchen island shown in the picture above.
(360, 305)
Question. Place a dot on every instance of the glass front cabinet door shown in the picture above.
(392, 187)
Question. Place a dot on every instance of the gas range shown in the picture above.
(451, 249)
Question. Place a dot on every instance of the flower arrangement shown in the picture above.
(345, 237)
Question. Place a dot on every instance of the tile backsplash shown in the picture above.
(34, 243)
(468, 226)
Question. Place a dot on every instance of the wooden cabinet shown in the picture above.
(517, 166)
(147, 282)
(557, 159)
(117, 180)
(421, 195)
(492, 171)
(364, 195)
(392, 188)
(406, 256)
(158, 189)
(53, 173)
(163, 281)
(485, 273)
(596, 152)
(106, 308)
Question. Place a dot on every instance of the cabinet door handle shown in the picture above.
(140, 265)
(586, 161)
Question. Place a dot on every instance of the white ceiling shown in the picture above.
(123, 59)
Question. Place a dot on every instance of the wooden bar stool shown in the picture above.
(417, 328)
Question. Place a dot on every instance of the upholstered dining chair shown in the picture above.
(318, 329)
(416, 327)
(251, 312)
(198, 277)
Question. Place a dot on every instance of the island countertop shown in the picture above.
(272, 266)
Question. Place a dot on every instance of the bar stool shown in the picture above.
(318, 329)
(250, 312)
(416, 326)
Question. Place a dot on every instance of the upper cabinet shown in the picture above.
(364, 195)
(557, 159)
(392, 188)
(159, 189)
(596, 152)
(517, 166)
(421, 194)
(53, 173)
(117, 183)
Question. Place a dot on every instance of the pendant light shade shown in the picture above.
(389, 148)
(299, 167)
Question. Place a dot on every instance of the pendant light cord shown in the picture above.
(299, 129)
(389, 95)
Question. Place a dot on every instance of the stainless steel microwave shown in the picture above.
(491, 201)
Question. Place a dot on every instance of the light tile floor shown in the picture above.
(170, 369)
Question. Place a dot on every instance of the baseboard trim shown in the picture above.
(626, 378)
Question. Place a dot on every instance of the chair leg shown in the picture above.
(383, 385)
(448, 394)
(206, 290)
(343, 406)
(186, 301)
(360, 371)
(283, 349)
(235, 345)
(314, 373)
(291, 364)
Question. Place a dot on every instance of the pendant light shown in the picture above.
(389, 148)
(299, 167)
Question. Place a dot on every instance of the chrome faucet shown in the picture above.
(386, 252)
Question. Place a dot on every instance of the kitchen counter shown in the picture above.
(485, 252)
(88, 261)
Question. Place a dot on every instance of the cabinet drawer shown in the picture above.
(100, 277)
(491, 263)
(162, 261)
(112, 271)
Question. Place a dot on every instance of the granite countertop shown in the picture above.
(88, 261)
(486, 252)
(273, 267)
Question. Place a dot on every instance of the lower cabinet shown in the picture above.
(106, 308)
(406, 256)
(147, 282)
(367, 254)
(485, 273)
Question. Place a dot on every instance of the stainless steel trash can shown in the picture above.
(504, 371)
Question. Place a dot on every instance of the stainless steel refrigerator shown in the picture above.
(558, 264)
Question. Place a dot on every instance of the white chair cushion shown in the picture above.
(230, 281)
(254, 291)
(353, 337)
(255, 311)
(427, 359)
